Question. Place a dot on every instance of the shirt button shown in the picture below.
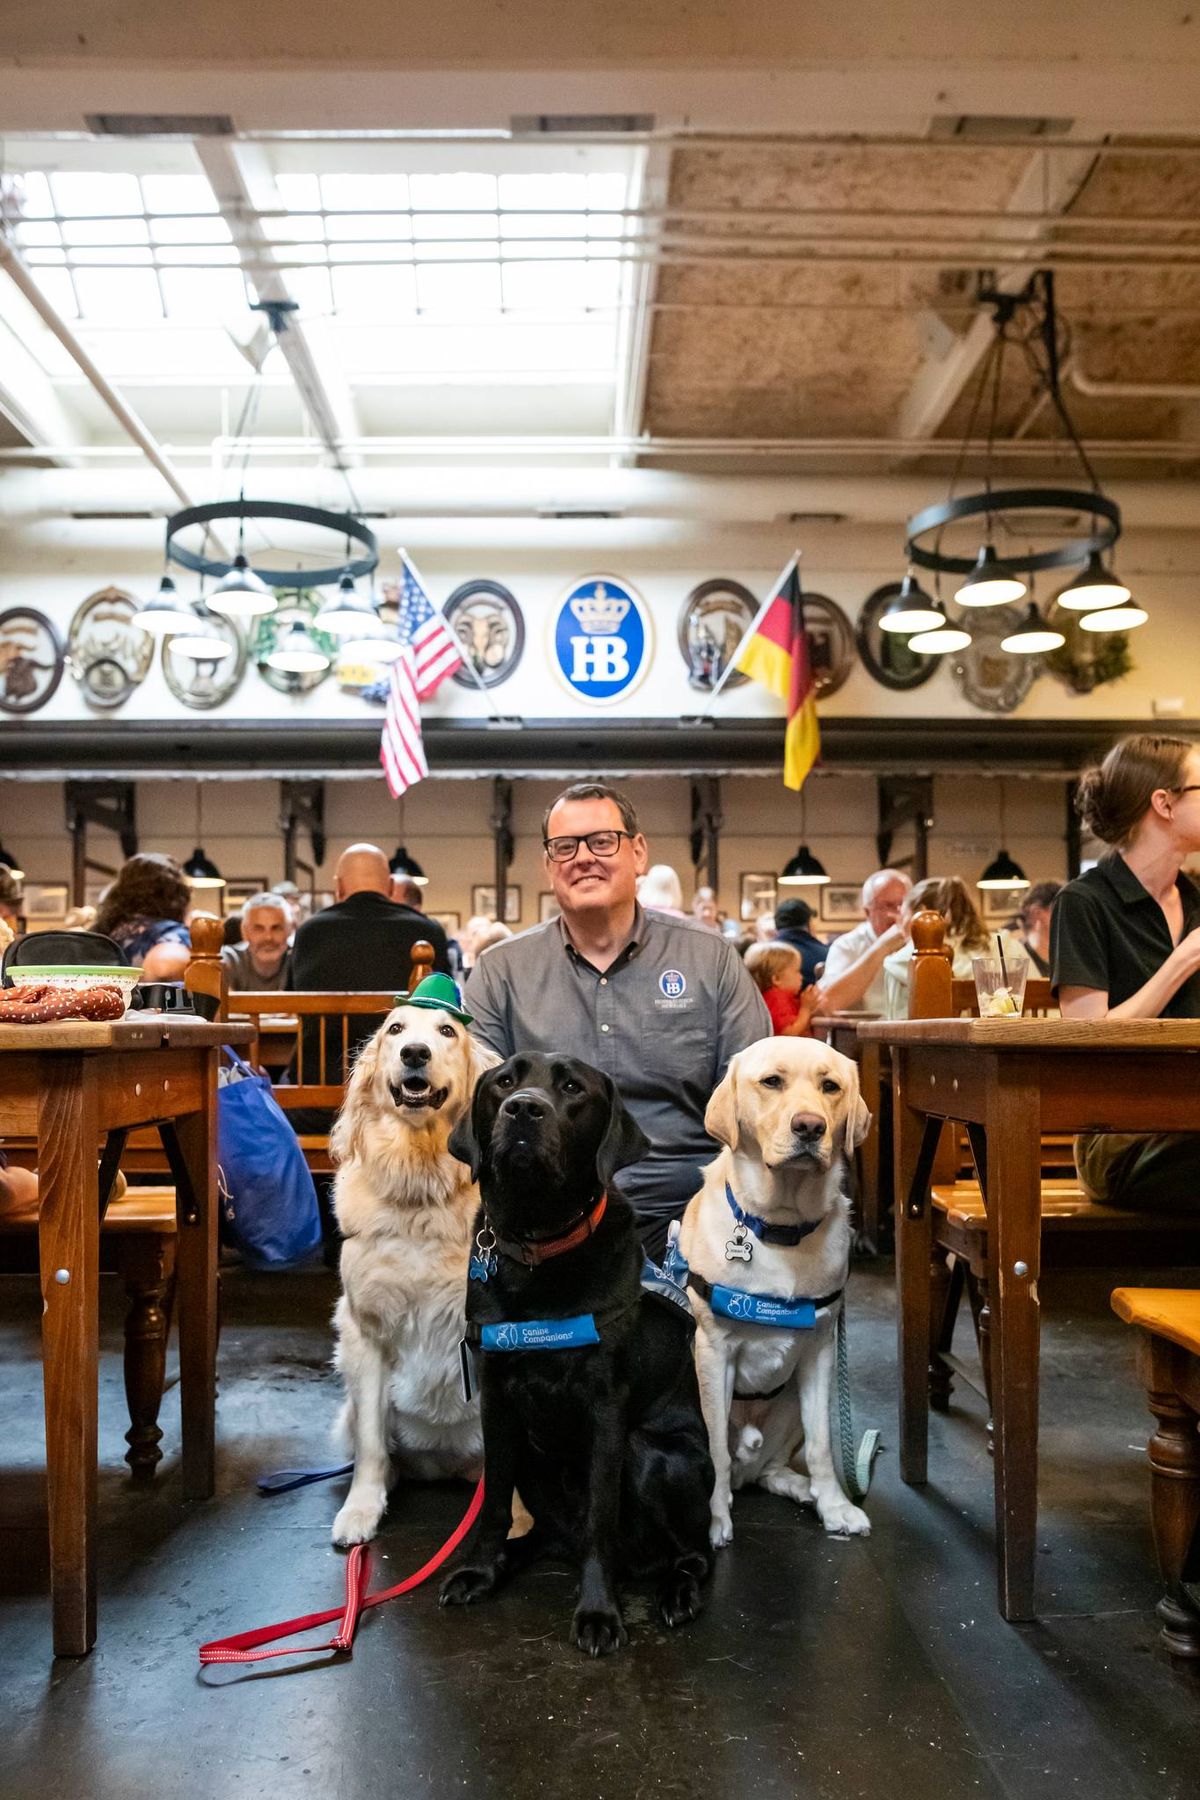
(604, 981)
(604, 1028)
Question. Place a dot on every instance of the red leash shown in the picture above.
(244, 1647)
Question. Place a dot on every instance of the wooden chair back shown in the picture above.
(935, 992)
(333, 1044)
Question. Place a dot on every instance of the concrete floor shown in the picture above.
(820, 1668)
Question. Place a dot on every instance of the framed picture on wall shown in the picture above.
(449, 921)
(841, 903)
(548, 907)
(45, 900)
(997, 905)
(756, 895)
(483, 901)
(239, 889)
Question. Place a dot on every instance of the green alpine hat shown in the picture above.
(437, 993)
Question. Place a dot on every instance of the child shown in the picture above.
(778, 975)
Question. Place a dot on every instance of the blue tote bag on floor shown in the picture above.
(268, 1202)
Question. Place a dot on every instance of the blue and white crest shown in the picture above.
(673, 984)
(603, 640)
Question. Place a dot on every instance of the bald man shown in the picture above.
(363, 941)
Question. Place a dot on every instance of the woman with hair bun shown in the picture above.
(1125, 944)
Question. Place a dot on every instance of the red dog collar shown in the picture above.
(540, 1250)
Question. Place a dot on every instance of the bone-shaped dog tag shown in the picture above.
(739, 1248)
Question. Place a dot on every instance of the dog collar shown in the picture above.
(789, 1235)
(533, 1251)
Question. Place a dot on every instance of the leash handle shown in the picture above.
(856, 1466)
(245, 1646)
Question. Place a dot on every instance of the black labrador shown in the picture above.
(604, 1439)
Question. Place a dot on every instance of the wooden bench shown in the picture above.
(137, 1242)
(1169, 1361)
(1077, 1232)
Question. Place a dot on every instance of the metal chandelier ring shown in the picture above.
(1105, 513)
(343, 525)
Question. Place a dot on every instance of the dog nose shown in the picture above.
(414, 1056)
(808, 1126)
(524, 1105)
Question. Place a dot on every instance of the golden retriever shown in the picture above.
(785, 1112)
(406, 1207)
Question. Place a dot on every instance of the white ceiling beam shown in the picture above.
(1048, 184)
(649, 188)
(243, 182)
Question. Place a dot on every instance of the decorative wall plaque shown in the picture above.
(31, 660)
(109, 655)
(490, 630)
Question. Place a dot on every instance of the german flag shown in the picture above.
(775, 652)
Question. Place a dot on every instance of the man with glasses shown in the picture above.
(657, 1003)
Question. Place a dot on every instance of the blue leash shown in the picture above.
(282, 1481)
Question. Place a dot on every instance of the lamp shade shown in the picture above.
(1033, 636)
(912, 609)
(166, 614)
(241, 594)
(297, 652)
(989, 583)
(803, 870)
(1114, 618)
(402, 863)
(1093, 586)
(944, 636)
(350, 613)
(200, 639)
(1003, 872)
(201, 871)
(8, 861)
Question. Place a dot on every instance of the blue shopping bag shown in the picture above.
(268, 1202)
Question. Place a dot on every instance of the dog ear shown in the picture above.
(481, 1059)
(345, 1139)
(464, 1141)
(857, 1120)
(624, 1141)
(720, 1117)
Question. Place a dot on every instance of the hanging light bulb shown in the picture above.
(1033, 636)
(166, 613)
(912, 609)
(944, 636)
(241, 594)
(403, 864)
(298, 653)
(1093, 586)
(1115, 618)
(200, 639)
(1002, 871)
(378, 651)
(989, 583)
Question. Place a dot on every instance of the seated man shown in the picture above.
(259, 962)
(855, 960)
(659, 1004)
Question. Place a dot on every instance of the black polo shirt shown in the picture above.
(1107, 932)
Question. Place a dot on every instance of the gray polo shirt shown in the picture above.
(663, 1020)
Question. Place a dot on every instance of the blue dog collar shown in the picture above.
(782, 1314)
(788, 1235)
(540, 1334)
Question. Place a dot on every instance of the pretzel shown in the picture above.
(39, 1004)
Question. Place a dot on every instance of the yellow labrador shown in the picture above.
(786, 1111)
(406, 1207)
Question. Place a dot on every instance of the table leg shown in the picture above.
(870, 1199)
(915, 1142)
(69, 1256)
(196, 1290)
(1014, 1187)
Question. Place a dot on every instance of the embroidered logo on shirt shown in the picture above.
(673, 984)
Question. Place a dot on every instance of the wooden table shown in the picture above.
(1008, 1081)
(276, 1038)
(840, 1031)
(71, 1084)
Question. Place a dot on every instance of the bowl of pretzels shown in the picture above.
(49, 987)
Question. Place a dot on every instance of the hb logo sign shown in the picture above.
(602, 639)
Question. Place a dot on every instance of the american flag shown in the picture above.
(428, 656)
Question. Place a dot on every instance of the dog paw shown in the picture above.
(464, 1586)
(720, 1527)
(598, 1631)
(679, 1601)
(358, 1520)
(788, 1483)
(841, 1518)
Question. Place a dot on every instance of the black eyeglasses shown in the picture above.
(1193, 787)
(599, 843)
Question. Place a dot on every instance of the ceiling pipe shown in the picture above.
(1132, 390)
(124, 414)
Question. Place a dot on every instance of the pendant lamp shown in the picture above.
(1125, 617)
(242, 594)
(402, 863)
(1093, 586)
(912, 609)
(989, 583)
(803, 869)
(297, 652)
(166, 614)
(1033, 637)
(8, 861)
(943, 637)
(1003, 871)
(201, 870)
